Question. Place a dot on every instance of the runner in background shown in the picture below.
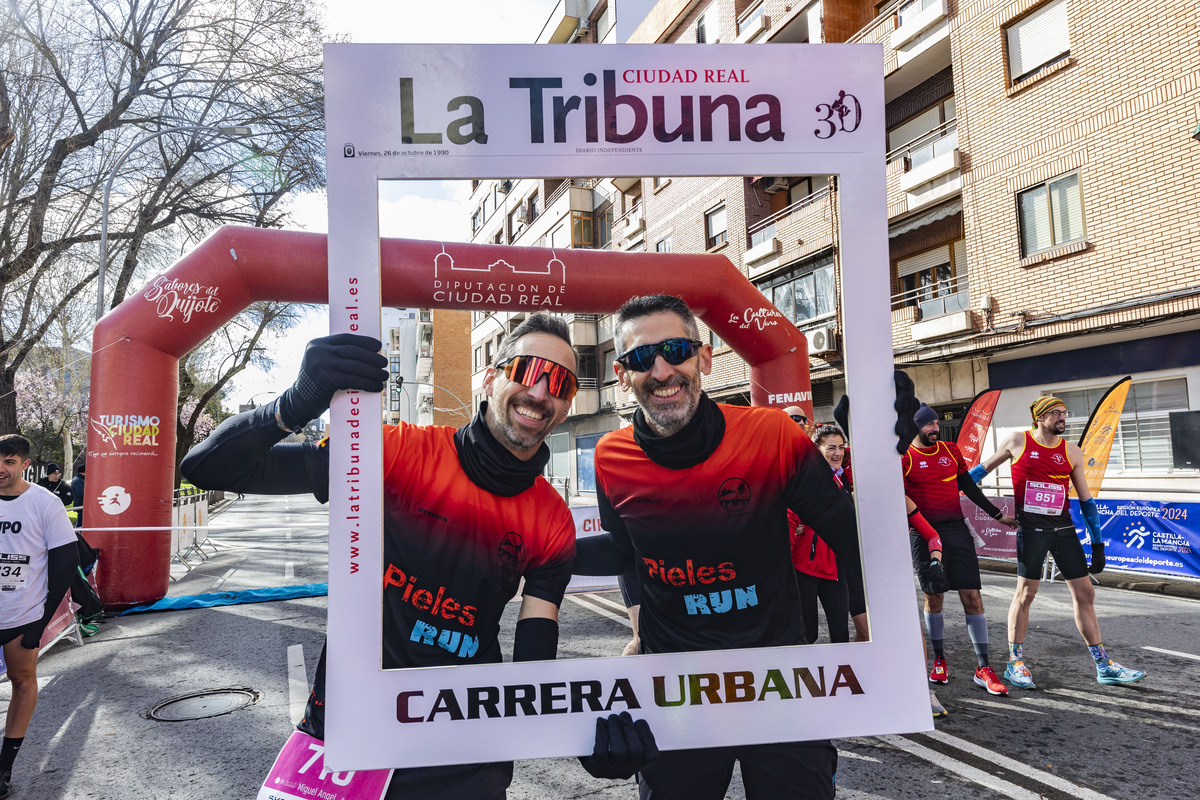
(39, 556)
(1043, 465)
(934, 472)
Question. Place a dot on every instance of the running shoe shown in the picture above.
(1112, 672)
(5, 784)
(88, 630)
(986, 677)
(1018, 675)
(940, 674)
(937, 708)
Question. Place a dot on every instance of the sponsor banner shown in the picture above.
(587, 523)
(178, 300)
(1139, 535)
(124, 434)
(299, 773)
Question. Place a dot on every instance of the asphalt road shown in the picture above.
(92, 736)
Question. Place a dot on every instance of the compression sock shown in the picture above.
(1016, 651)
(8, 754)
(935, 626)
(1097, 650)
(977, 630)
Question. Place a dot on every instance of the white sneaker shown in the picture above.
(937, 708)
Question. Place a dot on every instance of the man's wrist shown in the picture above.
(283, 426)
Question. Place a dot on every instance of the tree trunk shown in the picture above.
(8, 400)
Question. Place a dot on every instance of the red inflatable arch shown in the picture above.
(131, 441)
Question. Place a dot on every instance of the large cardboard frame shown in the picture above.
(449, 111)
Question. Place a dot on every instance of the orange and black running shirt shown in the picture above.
(931, 480)
(455, 553)
(709, 543)
(1041, 481)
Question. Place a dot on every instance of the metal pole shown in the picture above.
(225, 131)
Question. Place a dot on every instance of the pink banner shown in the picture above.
(999, 541)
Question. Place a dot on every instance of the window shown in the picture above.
(478, 358)
(1038, 41)
(532, 208)
(581, 229)
(1051, 214)
(487, 352)
(805, 292)
(661, 182)
(395, 402)
(585, 461)
(701, 32)
(925, 136)
(935, 280)
(801, 188)
(604, 222)
(609, 374)
(714, 340)
(1143, 439)
(516, 222)
(714, 227)
(395, 363)
(560, 455)
(663, 245)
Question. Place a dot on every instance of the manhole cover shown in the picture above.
(201, 705)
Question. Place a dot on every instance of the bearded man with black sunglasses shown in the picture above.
(467, 515)
(693, 498)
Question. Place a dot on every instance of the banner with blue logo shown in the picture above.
(1139, 535)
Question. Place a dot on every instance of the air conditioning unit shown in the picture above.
(773, 185)
(821, 340)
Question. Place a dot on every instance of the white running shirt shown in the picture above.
(30, 526)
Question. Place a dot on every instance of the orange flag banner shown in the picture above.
(1099, 433)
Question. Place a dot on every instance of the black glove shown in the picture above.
(906, 405)
(622, 747)
(937, 577)
(1097, 565)
(340, 361)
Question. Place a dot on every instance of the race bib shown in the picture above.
(299, 773)
(1045, 498)
(14, 569)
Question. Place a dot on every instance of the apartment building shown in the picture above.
(1041, 217)
(413, 393)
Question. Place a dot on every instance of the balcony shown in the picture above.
(803, 228)
(563, 22)
(630, 227)
(916, 42)
(925, 170)
(942, 308)
(583, 331)
(752, 24)
(919, 23)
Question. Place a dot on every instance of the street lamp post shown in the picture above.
(250, 402)
(223, 131)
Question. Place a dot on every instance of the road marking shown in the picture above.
(297, 683)
(224, 577)
(993, 706)
(289, 570)
(1045, 778)
(960, 769)
(615, 606)
(1172, 653)
(1080, 708)
(1124, 700)
(602, 612)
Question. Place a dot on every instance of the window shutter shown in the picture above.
(923, 261)
(1038, 39)
(960, 257)
(919, 125)
(1035, 221)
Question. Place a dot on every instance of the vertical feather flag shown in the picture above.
(975, 425)
(1096, 441)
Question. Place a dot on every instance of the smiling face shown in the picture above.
(668, 394)
(928, 435)
(1054, 421)
(521, 417)
(12, 480)
(833, 447)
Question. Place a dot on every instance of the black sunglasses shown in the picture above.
(797, 418)
(674, 351)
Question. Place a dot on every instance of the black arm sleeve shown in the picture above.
(815, 497)
(609, 553)
(975, 495)
(61, 563)
(536, 639)
(242, 455)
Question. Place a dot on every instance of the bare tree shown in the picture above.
(82, 80)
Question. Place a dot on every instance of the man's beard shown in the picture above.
(514, 437)
(668, 421)
(928, 440)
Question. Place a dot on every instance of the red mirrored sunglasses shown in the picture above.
(528, 370)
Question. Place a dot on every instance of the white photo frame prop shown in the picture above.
(496, 111)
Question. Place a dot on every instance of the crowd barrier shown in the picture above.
(189, 525)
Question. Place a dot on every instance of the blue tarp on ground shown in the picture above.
(233, 598)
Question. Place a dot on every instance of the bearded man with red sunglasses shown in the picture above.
(694, 498)
(467, 515)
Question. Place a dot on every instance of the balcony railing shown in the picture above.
(589, 383)
(887, 15)
(630, 220)
(751, 19)
(936, 299)
(576, 183)
(928, 146)
(758, 228)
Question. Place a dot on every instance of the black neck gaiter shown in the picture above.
(696, 441)
(490, 465)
